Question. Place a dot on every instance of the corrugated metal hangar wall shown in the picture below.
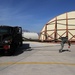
(60, 26)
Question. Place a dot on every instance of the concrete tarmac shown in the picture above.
(39, 59)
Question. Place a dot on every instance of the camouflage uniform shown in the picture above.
(63, 41)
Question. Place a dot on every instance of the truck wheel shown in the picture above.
(12, 50)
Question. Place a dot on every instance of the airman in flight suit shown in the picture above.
(63, 41)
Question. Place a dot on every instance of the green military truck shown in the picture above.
(10, 39)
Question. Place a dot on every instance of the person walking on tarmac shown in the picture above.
(63, 41)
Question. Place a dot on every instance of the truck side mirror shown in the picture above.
(19, 30)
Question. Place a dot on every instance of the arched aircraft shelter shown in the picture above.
(60, 26)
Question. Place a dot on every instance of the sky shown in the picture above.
(32, 15)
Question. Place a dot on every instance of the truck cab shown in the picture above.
(10, 38)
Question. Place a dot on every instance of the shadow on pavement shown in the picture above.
(19, 50)
(66, 50)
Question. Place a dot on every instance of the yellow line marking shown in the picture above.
(50, 63)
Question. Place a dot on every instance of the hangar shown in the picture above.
(60, 26)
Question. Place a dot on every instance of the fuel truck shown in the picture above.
(10, 39)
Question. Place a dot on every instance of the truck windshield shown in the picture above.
(4, 30)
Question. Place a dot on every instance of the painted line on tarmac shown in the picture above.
(38, 63)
